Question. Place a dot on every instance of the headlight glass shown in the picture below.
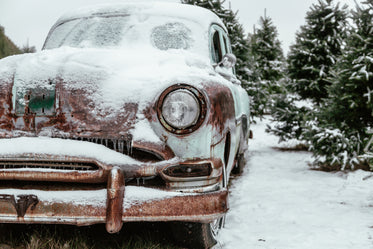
(181, 109)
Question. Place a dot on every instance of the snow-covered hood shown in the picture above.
(99, 88)
(113, 76)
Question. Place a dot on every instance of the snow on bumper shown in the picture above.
(109, 206)
(112, 204)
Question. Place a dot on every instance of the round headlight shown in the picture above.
(181, 109)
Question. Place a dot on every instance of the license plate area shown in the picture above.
(39, 102)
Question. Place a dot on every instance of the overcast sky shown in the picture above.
(30, 20)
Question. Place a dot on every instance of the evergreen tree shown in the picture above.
(266, 49)
(351, 92)
(266, 64)
(318, 45)
(349, 109)
(338, 129)
(7, 47)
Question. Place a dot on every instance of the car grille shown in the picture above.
(31, 164)
(123, 146)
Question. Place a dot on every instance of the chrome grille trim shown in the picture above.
(123, 146)
(53, 165)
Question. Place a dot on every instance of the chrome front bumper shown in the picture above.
(112, 203)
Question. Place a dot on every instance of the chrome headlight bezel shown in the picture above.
(193, 93)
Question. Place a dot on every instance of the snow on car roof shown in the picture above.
(184, 11)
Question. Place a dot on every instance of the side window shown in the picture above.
(217, 53)
(219, 43)
(226, 43)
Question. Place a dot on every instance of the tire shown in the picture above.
(241, 161)
(197, 235)
(242, 156)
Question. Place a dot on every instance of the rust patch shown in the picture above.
(21, 203)
(194, 208)
(191, 206)
(73, 115)
(6, 106)
(46, 168)
(115, 194)
(221, 106)
(74, 176)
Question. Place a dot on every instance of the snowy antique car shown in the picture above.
(130, 112)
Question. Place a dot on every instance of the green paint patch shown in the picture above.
(40, 102)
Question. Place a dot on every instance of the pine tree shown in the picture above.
(318, 45)
(7, 47)
(266, 64)
(352, 82)
(349, 109)
(266, 49)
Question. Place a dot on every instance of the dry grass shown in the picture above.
(132, 236)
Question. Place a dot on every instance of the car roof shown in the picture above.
(185, 11)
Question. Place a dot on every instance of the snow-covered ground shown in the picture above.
(279, 203)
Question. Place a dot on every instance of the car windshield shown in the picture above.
(161, 32)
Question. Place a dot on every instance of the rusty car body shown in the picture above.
(130, 112)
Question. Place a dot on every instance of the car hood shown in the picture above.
(96, 91)
(113, 76)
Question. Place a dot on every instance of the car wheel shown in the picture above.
(197, 235)
(241, 161)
